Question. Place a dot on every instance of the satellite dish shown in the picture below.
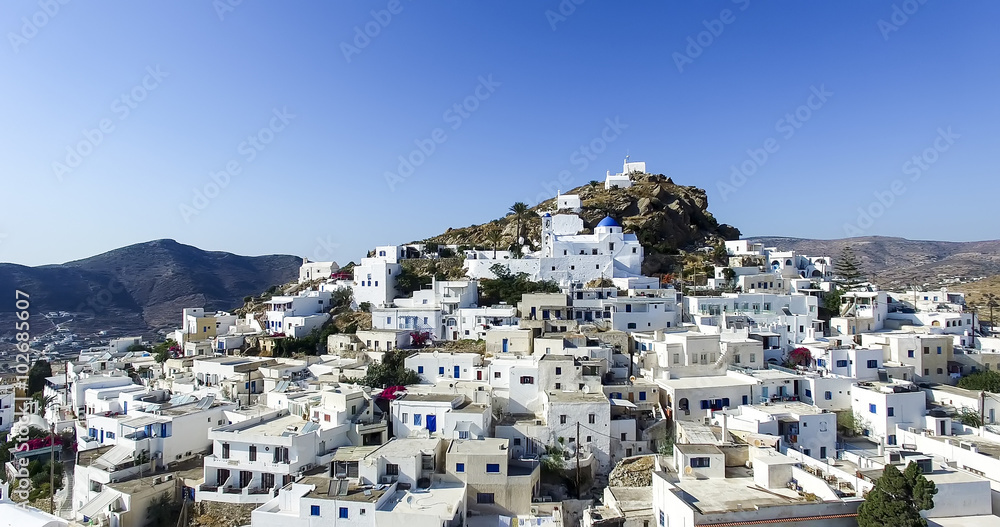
(586, 389)
(436, 353)
(688, 470)
(631, 379)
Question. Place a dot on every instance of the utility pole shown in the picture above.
(982, 409)
(578, 460)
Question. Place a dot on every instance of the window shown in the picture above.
(459, 467)
(420, 369)
(939, 351)
(441, 370)
(109, 435)
(558, 385)
(225, 450)
(527, 379)
(417, 421)
(496, 375)
(391, 469)
(927, 371)
(631, 325)
(809, 392)
(562, 419)
(343, 512)
(890, 411)
(753, 357)
(463, 434)
(493, 468)
(314, 510)
(253, 452)
(663, 520)
(736, 358)
(927, 350)
(872, 364)
(841, 363)
(700, 462)
(891, 439)
(406, 418)
(940, 371)
(484, 497)
(558, 370)
(592, 419)
(909, 353)
(872, 409)
(828, 395)
(642, 396)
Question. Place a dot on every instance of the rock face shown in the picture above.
(632, 472)
(664, 216)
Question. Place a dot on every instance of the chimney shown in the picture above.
(725, 427)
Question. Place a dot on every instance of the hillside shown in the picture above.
(666, 217)
(144, 286)
(898, 261)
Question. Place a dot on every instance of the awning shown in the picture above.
(99, 504)
(623, 403)
(116, 455)
(140, 422)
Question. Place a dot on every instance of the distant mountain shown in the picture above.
(898, 261)
(145, 286)
(666, 218)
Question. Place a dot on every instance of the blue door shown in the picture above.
(431, 422)
(125, 407)
(458, 371)
(505, 345)
(102, 435)
(763, 392)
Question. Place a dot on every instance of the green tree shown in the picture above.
(408, 281)
(508, 287)
(897, 499)
(163, 512)
(495, 237)
(847, 269)
(969, 417)
(988, 380)
(720, 255)
(162, 350)
(521, 212)
(831, 301)
(39, 371)
(391, 371)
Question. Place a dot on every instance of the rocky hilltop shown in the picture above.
(666, 217)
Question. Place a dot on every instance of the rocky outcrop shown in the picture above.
(666, 217)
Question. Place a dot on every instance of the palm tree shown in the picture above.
(520, 212)
(494, 236)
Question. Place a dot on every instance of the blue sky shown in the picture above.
(536, 83)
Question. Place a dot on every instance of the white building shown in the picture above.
(298, 315)
(316, 270)
(435, 366)
(375, 278)
(624, 179)
(445, 415)
(878, 407)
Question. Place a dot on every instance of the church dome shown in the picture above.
(608, 221)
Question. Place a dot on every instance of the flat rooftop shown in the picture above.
(405, 447)
(984, 446)
(736, 491)
(954, 390)
(327, 488)
(429, 397)
(577, 397)
(791, 407)
(712, 381)
(697, 450)
(443, 500)
(487, 445)
(271, 427)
